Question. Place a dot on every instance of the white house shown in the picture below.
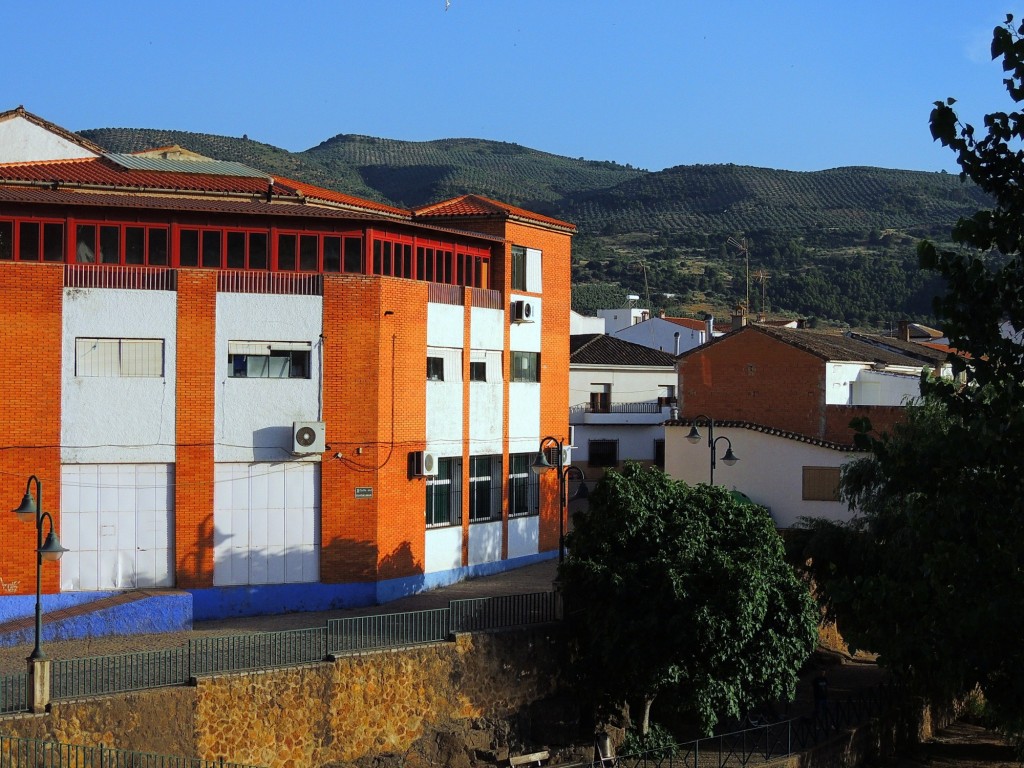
(619, 396)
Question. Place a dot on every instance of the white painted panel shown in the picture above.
(484, 543)
(445, 325)
(254, 416)
(534, 269)
(525, 337)
(111, 419)
(443, 549)
(523, 417)
(275, 539)
(523, 536)
(487, 328)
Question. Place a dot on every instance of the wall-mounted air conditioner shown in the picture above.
(522, 311)
(424, 464)
(308, 437)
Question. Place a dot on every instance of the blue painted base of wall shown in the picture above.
(175, 610)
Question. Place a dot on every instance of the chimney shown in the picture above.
(709, 326)
(661, 313)
(677, 343)
(903, 333)
(739, 318)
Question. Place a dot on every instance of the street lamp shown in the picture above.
(728, 458)
(32, 509)
(541, 465)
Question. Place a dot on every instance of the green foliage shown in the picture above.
(669, 586)
(657, 743)
(931, 573)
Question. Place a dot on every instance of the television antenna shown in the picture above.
(741, 246)
(762, 277)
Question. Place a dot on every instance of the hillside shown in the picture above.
(835, 245)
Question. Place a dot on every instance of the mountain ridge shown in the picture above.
(836, 244)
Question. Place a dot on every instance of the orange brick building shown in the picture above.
(274, 396)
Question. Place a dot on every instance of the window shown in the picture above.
(525, 366)
(36, 241)
(444, 494)
(269, 359)
(119, 358)
(601, 399)
(659, 454)
(435, 369)
(603, 453)
(484, 488)
(522, 486)
(518, 268)
(821, 484)
(478, 370)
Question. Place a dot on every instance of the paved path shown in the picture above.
(532, 578)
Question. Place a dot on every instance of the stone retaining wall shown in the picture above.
(339, 712)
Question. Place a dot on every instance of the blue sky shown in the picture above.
(797, 85)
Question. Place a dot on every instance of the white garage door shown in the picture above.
(267, 523)
(117, 522)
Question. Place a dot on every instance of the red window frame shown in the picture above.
(17, 243)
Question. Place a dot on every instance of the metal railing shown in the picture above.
(650, 406)
(486, 298)
(766, 743)
(442, 293)
(100, 675)
(17, 752)
(118, 276)
(14, 693)
(255, 281)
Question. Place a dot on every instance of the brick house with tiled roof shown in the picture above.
(275, 396)
(620, 393)
(783, 399)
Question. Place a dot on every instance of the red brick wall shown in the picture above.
(838, 417)
(749, 376)
(194, 415)
(30, 392)
(375, 412)
(554, 355)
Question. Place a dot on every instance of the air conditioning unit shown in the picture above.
(308, 437)
(424, 464)
(566, 455)
(522, 311)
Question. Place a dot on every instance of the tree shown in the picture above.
(668, 585)
(931, 573)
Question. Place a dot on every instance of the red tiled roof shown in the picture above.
(332, 196)
(688, 322)
(476, 205)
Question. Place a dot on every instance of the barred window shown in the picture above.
(119, 358)
(484, 488)
(444, 494)
(522, 486)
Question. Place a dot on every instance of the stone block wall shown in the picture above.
(338, 712)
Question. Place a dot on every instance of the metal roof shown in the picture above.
(208, 167)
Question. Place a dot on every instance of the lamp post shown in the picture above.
(541, 465)
(728, 458)
(32, 509)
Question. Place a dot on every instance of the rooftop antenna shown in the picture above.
(741, 246)
(762, 277)
(647, 291)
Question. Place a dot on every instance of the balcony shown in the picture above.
(644, 412)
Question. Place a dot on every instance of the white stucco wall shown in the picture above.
(109, 419)
(623, 317)
(486, 406)
(486, 328)
(769, 470)
(22, 141)
(523, 536)
(579, 324)
(859, 384)
(443, 549)
(444, 404)
(445, 325)
(254, 416)
(630, 384)
(658, 333)
(524, 416)
(636, 442)
(484, 542)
